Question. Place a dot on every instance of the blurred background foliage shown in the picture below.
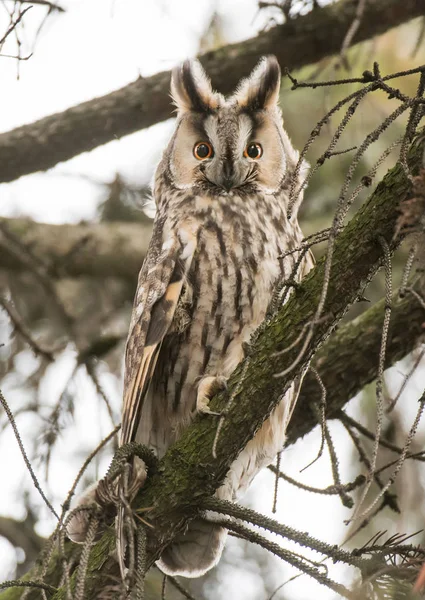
(99, 313)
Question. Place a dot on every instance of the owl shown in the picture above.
(216, 255)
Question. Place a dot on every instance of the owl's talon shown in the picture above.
(207, 388)
(79, 522)
(202, 408)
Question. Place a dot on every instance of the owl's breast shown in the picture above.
(226, 294)
(225, 297)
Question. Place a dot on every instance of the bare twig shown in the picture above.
(349, 36)
(175, 583)
(24, 331)
(24, 454)
(350, 422)
(49, 5)
(380, 379)
(276, 482)
(13, 26)
(320, 411)
(331, 490)
(406, 380)
(389, 500)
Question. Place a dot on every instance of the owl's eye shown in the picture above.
(253, 151)
(203, 150)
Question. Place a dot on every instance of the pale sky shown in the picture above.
(96, 47)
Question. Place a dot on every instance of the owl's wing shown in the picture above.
(159, 288)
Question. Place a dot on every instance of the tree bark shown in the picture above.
(93, 250)
(349, 359)
(188, 473)
(22, 534)
(144, 102)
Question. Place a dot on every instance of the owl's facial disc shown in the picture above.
(221, 145)
(227, 150)
(247, 151)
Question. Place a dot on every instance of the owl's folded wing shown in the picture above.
(159, 288)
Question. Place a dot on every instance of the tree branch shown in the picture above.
(144, 102)
(357, 344)
(22, 534)
(95, 250)
(188, 474)
(49, 5)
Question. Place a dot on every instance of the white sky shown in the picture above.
(95, 48)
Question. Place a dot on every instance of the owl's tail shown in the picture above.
(199, 549)
(194, 552)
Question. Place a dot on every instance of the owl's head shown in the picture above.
(235, 143)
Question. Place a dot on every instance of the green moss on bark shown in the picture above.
(188, 473)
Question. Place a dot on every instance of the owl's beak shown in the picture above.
(228, 184)
(226, 174)
(228, 179)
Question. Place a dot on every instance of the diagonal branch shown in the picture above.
(188, 474)
(184, 468)
(357, 344)
(144, 102)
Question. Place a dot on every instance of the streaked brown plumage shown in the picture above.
(208, 278)
(209, 275)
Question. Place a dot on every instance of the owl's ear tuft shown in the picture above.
(191, 88)
(261, 89)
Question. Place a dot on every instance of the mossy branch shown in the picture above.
(348, 360)
(144, 102)
(188, 474)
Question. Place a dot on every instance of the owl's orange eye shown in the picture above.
(203, 150)
(254, 151)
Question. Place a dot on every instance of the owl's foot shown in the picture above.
(104, 496)
(99, 498)
(207, 388)
(79, 518)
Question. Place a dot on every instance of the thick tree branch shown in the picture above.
(349, 359)
(22, 534)
(188, 473)
(299, 42)
(95, 250)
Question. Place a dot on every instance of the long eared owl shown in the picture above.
(215, 258)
